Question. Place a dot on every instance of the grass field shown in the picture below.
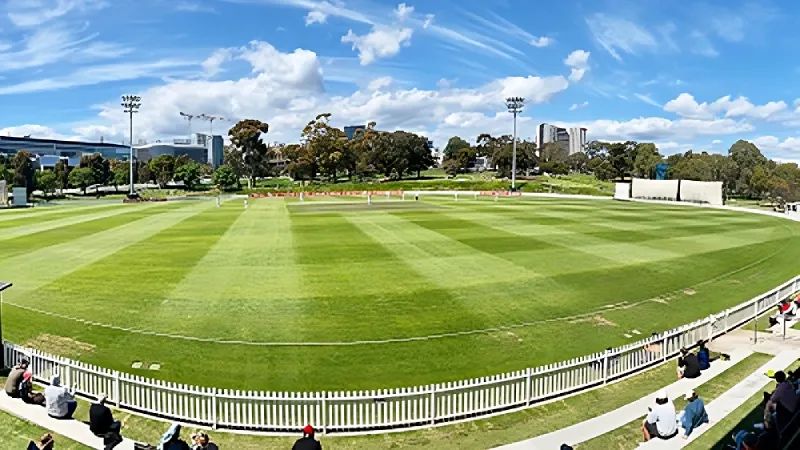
(335, 294)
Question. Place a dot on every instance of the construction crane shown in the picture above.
(189, 118)
(211, 120)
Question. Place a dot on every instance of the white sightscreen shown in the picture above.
(3, 193)
(701, 191)
(622, 191)
(654, 189)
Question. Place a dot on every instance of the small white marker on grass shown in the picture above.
(628, 335)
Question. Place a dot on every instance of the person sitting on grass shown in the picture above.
(688, 365)
(46, 442)
(26, 390)
(203, 442)
(102, 423)
(60, 401)
(703, 355)
(694, 413)
(15, 378)
(171, 440)
(784, 394)
(307, 442)
(661, 421)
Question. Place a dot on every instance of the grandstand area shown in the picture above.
(332, 293)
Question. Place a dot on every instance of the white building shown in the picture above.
(577, 140)
(572, 140)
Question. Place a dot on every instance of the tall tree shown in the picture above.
(98, 165)
(46, 182)
(328, 144)
(248, 148)
(225, 178)
(61, 170)
(301, 165)
(189, 173)
(747, 157)
(647, 157)
(119, 174)
(162, 169)
(454, 144)
(81, 178)
(419, 153)
(23, 170)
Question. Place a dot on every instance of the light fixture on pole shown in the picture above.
(131, 104)
(211, 120)
(3, 286)
(514, 105)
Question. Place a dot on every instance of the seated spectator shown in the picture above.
(60, 402)
(703, 355)
(102, 423)
(203, 442)
(15, 378)
(661, 421)
(694, 414)
(307, 442)
(786, 310)
(26, 390)
(46, 442)
(171, 440)
(766, 439)
(784, 395)
(688, 365)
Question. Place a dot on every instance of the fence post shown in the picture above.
(605, 367)
(528, 385)
(325, 412)
(711, 319)
(664, 346)
(726, 320)
(214, 408)
(433, 404)
(116, 388)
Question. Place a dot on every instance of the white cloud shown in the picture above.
(577, 106)
(617, 35)
(32, 13)
(381, 42)
(36, 131)
(716, 142)
(578, 62)
(194, 7)
(685, 105)
(428, 21)
(403, 11)
(316, 16)
(701, 45)
(213, 64)
(541, 41)
(662, 129)
(647, 99)
(379, 83)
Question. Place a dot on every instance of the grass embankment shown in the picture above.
(629, 435)
(742, 418)
(15, 433)
(478, 434)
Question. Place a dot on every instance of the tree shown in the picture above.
(647, 157)
(460, 160)
(578, 162)
(99, 166)
(746, 156)
(46, 182)
(61, 170)
(119, 174)
(143, 172)
(81, 178)
(225, 178)
(23, 170)
(247, 147)
(454, 144)
(621, 156)
(418, 152)
(328, 145)
(302, 165)
(162, 168)
(601, 168)
(552, 152)
(189, 173)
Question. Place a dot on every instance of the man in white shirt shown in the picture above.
(661, 421)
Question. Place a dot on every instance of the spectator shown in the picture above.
(15, 378)
(661, 421)
(203, 442)
(60, 402)
(784, 395)
(307, 442)
(694, 414)
(688, 365)
(46, 442)
(786, 310)
(703, 355)
(102, 423)
(171, 440)
(26, 390)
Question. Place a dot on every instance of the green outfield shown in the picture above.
(337, 294)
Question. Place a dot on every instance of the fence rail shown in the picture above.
(383, 409)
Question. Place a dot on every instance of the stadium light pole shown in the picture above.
(131, 104)
(3, 286)
(514, 105)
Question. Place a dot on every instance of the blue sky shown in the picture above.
(700, 75)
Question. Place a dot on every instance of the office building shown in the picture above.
(203, 149)
(572, 140)
(577, 140)
(47, 152)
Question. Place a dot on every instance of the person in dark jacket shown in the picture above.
(703, 355)
(102, 423)
(171, 440)
(15, 378)
(307, 442)
(688, 365)
(26, 390)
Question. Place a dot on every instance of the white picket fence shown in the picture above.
(370, 411)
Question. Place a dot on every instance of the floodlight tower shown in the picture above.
(210, 120)
(131, 104)
(514, 105)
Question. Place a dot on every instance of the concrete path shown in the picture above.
(73, 429)
(731, 399)
(599, 425)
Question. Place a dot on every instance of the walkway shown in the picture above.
(739, 344)
(73, 429)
